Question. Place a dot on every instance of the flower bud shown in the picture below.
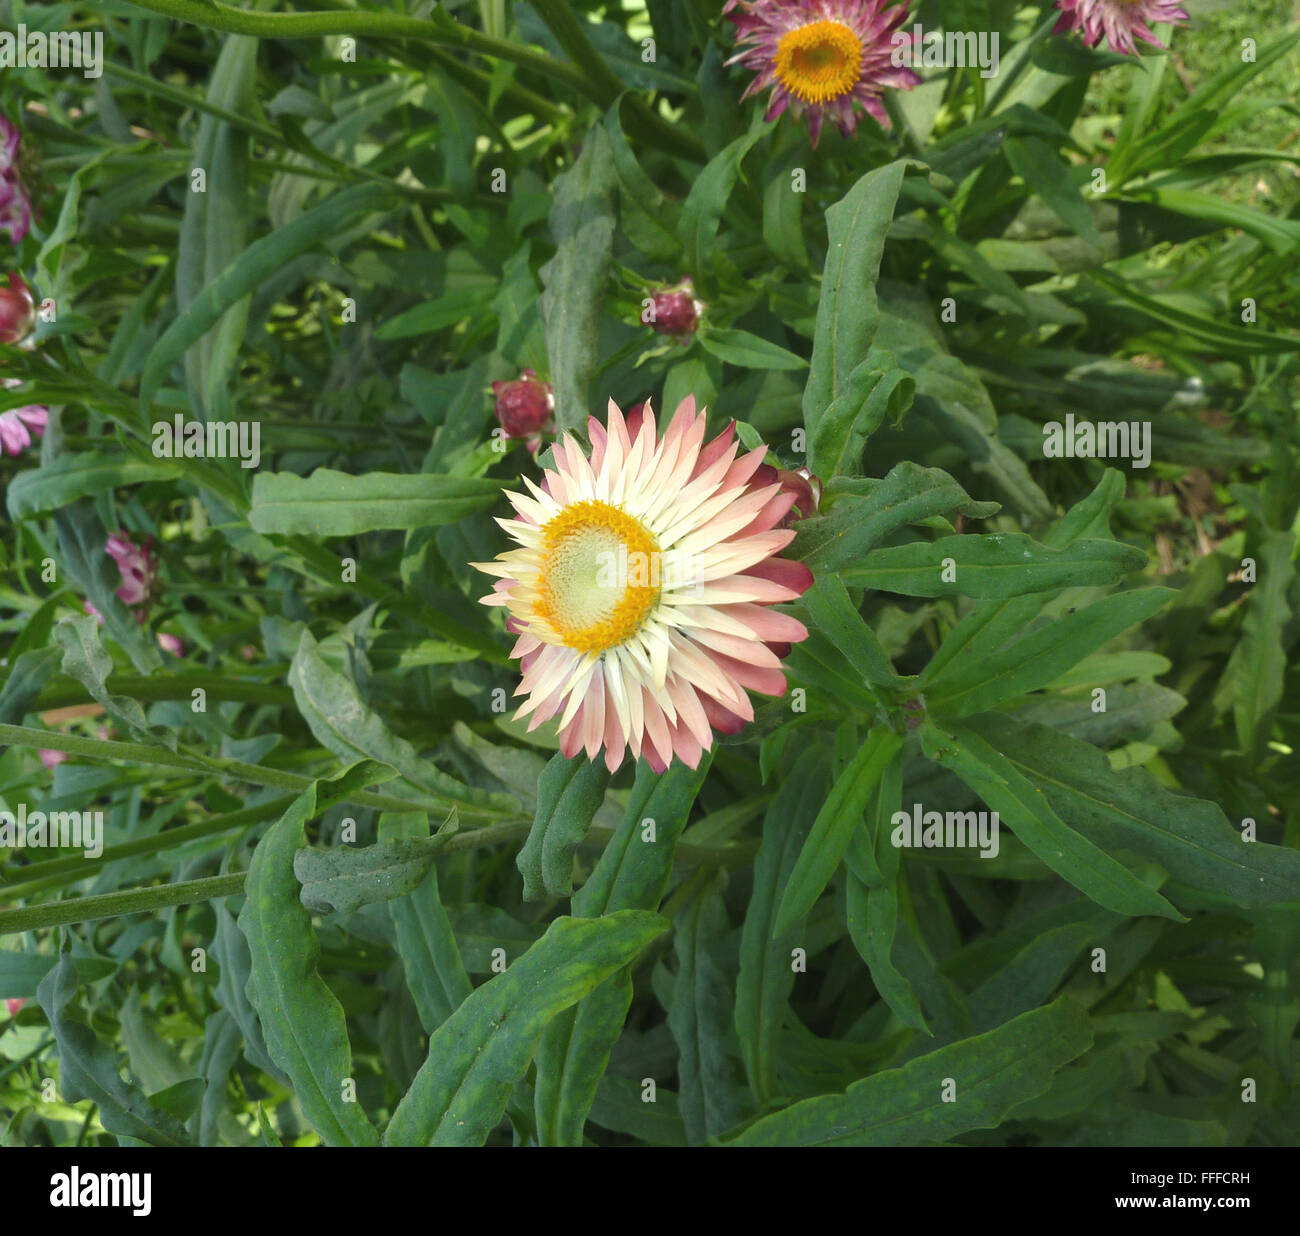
(17, 310)
(675, 311)
(524, 406)
(802, 484)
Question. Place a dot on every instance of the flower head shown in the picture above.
(821, 57)
(13, 1004)
(640, 589)
(1118, 21)
(15, 205)
(524, 407)
(674, 311)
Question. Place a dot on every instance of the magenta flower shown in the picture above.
(1119, 21)
(51, 759)
(13, 1004)
(821, 57)
(139, 570)
(15, 205)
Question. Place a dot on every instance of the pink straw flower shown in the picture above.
(15, 205)
(641, 585)
(18, 424)
(137, 566)
(821, 57)
(1119, 22)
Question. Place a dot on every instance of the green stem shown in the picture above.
(445, 32)
(167, 687)
(254, 774)
(60, 871)
(111, 905)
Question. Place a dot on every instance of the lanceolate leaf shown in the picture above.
(1191, 838)
(847, 312)
(569, 793)
(306, 1031)
(477, 1055)
(329, 503)
(631, 874)
(937, 1097)
(582, 223)
(766, 977)
(1020, 804)
(997, 565)
(835, 825)
(89, 1069)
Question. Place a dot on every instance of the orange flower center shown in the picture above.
(820, 61)
(599, 576)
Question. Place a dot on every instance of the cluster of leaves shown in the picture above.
(345, 898)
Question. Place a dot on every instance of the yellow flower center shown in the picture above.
(599, 576)
(820, 61)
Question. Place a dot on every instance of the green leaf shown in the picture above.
(482, 1050)
(766, 979)
(53, 485)
(1023, 806)
(863, 512)
(342, 722)
(836, 822)
(304, 1024)
(582, 225)
(343, 879)
(1041, 657)
(631, 875)
(259, 262)
(710, 189)
(88, 1068)
(1129, 810)
(875, 390)
(426, 942)
(749, 351)
(214, 228)
(85, 659)
(847, 313)
(996, 565)
(699, 1016)
(569, 793)
(329, 503)
(1256, 670)
(1048, 175)
(835, 615)
(991, 1073)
